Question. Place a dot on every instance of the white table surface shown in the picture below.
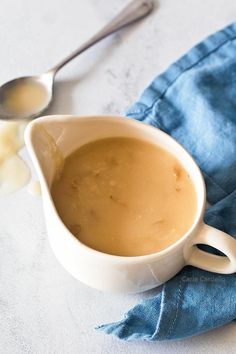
(42, 308)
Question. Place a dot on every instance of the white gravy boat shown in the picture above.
(52, 138)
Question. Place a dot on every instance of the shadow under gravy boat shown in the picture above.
(50, 139)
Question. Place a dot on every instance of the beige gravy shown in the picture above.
(24, 98)
(125, 197)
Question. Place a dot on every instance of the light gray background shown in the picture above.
(42, 308)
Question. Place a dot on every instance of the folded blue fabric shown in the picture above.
(195, 102)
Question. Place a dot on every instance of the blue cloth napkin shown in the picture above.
(195, 102)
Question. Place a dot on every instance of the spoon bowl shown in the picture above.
(38, 91)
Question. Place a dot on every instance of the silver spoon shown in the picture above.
(134, 11)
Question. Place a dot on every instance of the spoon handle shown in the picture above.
(134, 11)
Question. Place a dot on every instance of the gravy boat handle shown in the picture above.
(208, 235)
